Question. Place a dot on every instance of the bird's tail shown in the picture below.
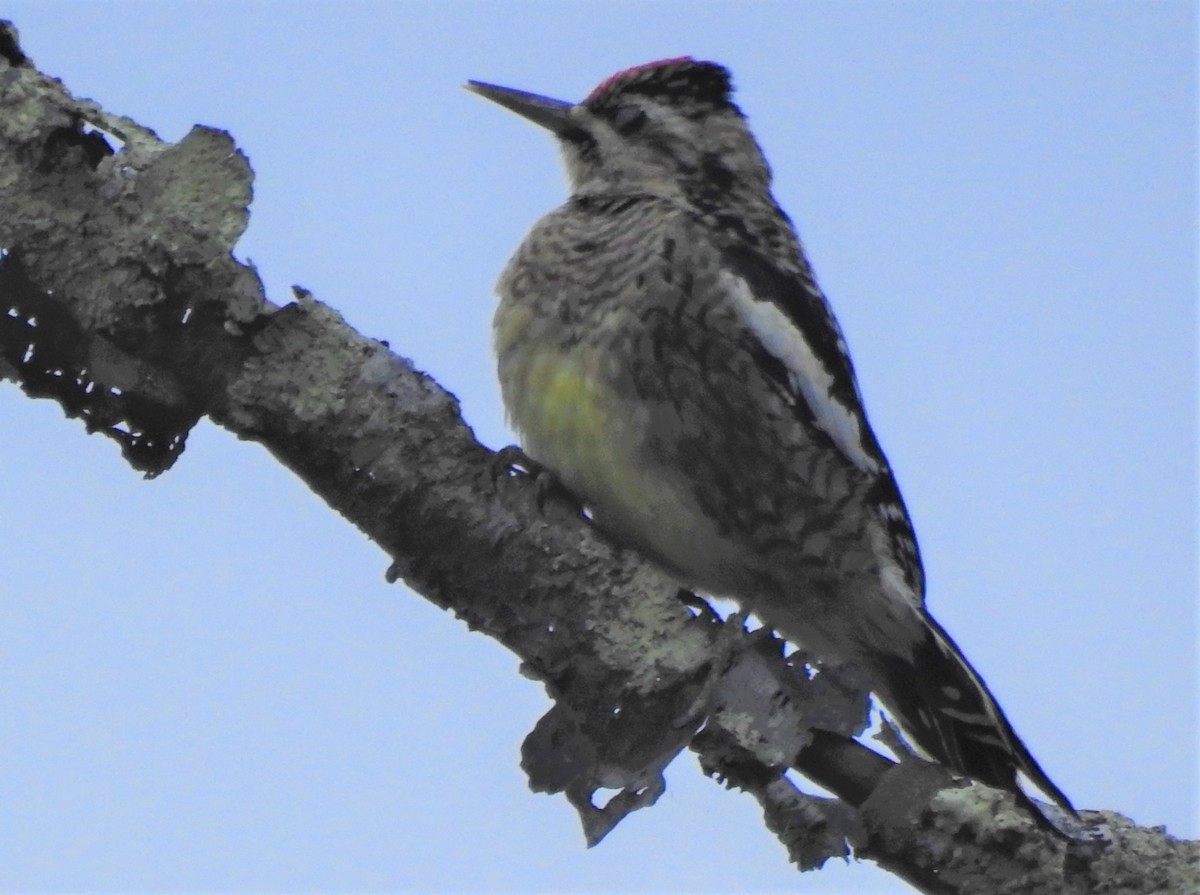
(943, 704)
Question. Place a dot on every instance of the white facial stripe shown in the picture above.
(807, 376)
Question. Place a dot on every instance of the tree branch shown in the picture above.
(120, 299)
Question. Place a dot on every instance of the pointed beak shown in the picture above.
(551, 114)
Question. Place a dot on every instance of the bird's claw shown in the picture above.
(512, 461)
(728, 643)
(693, 600)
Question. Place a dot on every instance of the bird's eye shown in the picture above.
(629, 119)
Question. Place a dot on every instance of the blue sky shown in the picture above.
(205, 682)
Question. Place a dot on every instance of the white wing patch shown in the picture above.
(807, 376)
(892, 575)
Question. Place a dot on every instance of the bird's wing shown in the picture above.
(790, 317)
(937, 695)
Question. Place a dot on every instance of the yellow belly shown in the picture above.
(596, 439)
(569, 421)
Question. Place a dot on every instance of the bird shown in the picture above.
(665, 352)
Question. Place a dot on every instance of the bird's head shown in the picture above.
(668, 128)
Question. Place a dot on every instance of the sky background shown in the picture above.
(205, 683)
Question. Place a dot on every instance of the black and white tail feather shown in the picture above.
(947, 710)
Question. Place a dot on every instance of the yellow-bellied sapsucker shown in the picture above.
(665, 351)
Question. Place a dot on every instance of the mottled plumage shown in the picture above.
(665, 350)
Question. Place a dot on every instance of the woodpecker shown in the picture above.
(665, 351)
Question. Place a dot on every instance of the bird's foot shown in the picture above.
(693, 600)
(512, 461)
(730, 640)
